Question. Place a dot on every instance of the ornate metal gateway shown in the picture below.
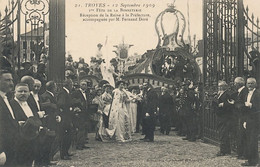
(25, 26)
(231, 49)
(23, 29)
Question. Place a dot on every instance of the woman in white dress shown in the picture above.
(107, 100)
(119, 127)
(133, 110)
(108, 70)
(98, 116)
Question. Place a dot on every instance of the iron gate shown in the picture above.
(23, 30)
(231, 49)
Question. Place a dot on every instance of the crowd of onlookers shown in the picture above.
(36, 123)
(37, 119)
(237, 108)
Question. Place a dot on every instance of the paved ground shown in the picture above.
(168, 151)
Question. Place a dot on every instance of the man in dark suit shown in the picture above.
(188, 111)
(34, 101)
(23, 112)
(9, 126)
(165, 111)
(64, 103)
(81, 117)
(150, 108)
(225, 118)
(238, 100)
(251, 124)
(52, 121)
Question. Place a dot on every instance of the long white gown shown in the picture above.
(107, 71)
(107, 99)
(119, 127)
(133, 112)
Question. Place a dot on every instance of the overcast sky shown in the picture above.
(141, 34)
(82, 37)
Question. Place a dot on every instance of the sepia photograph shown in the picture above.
(129, 83)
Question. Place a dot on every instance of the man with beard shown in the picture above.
(165, 111)
(251, 124)
(9, 126)
(150, 109)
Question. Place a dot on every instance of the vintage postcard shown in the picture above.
(129, 83)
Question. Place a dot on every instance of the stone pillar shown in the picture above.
(57, 41)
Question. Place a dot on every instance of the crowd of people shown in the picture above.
(36, 123)
(237, 108)
(37, 120)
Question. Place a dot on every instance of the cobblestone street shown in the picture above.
(165, 151)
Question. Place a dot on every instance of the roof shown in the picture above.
(34, 33)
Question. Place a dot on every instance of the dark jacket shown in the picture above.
(9, 129)
(64, 103)
(32, 103)
(226, 110)
(19, 113)
(186, 102)
(253, 113)
(150, 102)
(240, 98)
(81, 102)
(165, 104)
(49, 105)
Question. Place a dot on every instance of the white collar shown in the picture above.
(34, 94)
(21, 102)
(66, 90)
(252, 90)
(240, 89)
(2, 94)
(50, 93)
(221, 92)
(81, 90)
